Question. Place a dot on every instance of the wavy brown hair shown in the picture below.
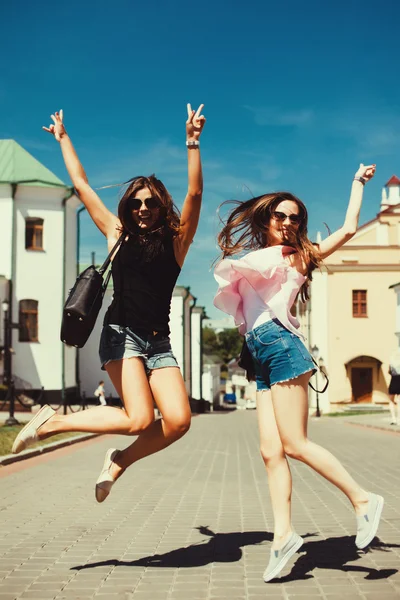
(169, 213)
(246, 229)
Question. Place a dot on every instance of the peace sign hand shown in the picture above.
(57, 129)
(194, 123)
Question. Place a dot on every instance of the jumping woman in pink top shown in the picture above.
(259, 290)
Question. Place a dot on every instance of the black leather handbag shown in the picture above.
(84, 302)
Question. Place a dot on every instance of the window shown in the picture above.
(28, 320)
(34, 234)
(360, 303)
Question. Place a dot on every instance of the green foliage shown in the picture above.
(226, 344)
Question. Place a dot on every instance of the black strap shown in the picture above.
(326, 379)
(106, 263)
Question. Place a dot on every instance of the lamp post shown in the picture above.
(7, 376)
(318, 358)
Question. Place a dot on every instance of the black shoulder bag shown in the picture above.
(84, 302)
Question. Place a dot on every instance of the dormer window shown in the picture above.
(34, 233)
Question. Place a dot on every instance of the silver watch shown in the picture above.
(192, 143)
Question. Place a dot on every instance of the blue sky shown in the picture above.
(296, 95)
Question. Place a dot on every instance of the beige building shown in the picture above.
(351, 317)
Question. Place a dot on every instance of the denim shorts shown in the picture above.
(278, 354)
(118, 341)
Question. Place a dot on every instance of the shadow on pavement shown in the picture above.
(222, 547)
(332, 553)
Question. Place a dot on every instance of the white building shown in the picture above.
(37, 267)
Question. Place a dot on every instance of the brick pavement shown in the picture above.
(194, 522)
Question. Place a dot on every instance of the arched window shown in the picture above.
(28, 320)
(34, 233)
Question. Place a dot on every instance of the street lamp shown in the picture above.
(319, 360)
(7, 370)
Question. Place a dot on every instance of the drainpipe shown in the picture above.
(78, 252)
(64, 205)
(190, 345)
(14, 187)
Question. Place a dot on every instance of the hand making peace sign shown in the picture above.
(194, 123)
(57, 129)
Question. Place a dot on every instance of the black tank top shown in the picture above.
(144, 275)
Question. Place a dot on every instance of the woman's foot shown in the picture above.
(279, 557)
(368, 523)
(29, 434)
(108, 476)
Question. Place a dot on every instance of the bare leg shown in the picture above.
(290, 403)
(130, 380)
(276, 464)
(393, 409)
(170, 395)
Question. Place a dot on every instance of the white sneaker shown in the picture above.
(28, 435)
(279, 558)
(105, 480)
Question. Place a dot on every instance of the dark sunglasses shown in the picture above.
(150, 203)
(280, 216)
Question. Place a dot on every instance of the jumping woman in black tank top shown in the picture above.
(135, 349)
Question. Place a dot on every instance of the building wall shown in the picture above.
(345, 337)
(176, 326)
(38, 276)
(6, 216)
(211, 384)
(90, 372)
(196, 354)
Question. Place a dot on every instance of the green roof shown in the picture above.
(18, 166)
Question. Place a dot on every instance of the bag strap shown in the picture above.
(106, 263)
(326, 379)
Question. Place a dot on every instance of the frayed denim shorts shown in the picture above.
(118, 341)
(278, 354)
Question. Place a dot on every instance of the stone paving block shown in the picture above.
(198, 516)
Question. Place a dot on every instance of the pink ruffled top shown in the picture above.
(269, 273)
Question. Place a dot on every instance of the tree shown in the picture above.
(226, 344)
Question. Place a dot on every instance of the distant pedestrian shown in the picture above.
(394, 387)
(259, 289)
(100, 393)
(135, 347)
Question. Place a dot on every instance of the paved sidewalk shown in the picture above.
(194, 522)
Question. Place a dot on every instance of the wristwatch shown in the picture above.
(363, 181)
(192, 143)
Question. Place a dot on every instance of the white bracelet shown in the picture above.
(193, 143)
(361, 179)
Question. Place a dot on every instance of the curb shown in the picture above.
(8, 459)
(376, 427)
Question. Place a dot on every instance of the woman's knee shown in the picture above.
(296, 450)
(271, 454)
(178, 424)
(138, 423)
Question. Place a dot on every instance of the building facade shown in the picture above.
(37, 266)
(352, 312)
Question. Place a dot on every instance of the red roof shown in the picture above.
(394, 180)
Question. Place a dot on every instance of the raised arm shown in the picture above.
(349, 228)
(192, 204)
(105, 220)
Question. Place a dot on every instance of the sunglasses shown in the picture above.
(150, 203)
(280, 216)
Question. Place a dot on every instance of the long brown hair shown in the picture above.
(169, 213)
(246, 229)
